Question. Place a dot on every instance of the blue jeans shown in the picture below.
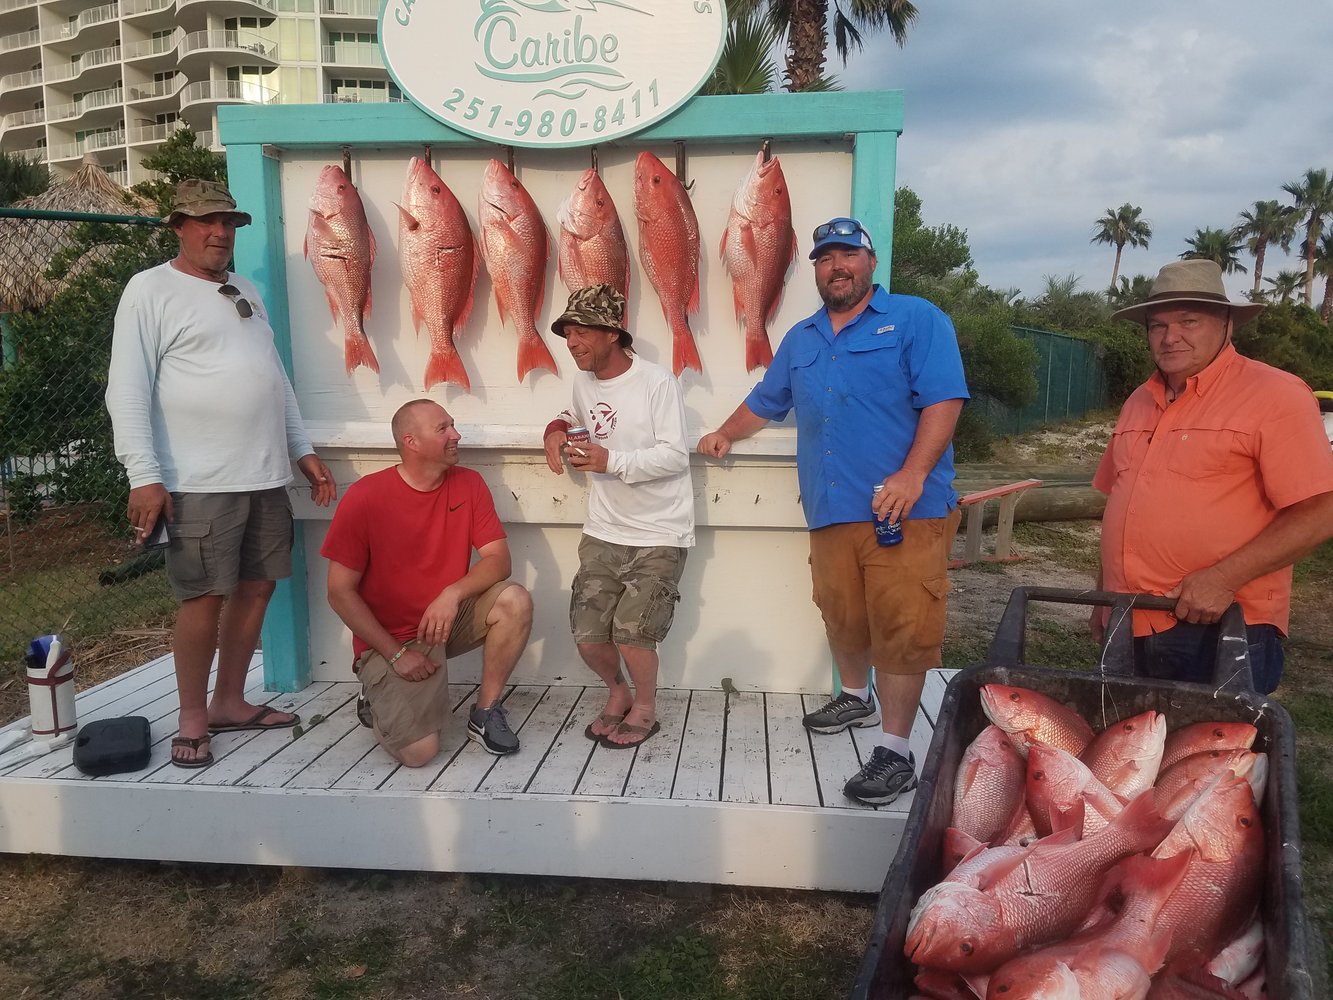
(1188, 652)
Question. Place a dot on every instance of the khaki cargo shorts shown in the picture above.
(890, 600)
(626, 594)
(408, 711)
(218, 539)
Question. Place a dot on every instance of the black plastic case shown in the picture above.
(113, 746)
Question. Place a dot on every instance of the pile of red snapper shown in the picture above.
(1120, 865)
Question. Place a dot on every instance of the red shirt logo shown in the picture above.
(602, 420)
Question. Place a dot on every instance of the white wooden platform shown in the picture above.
(732, 791)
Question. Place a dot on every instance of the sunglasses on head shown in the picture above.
(843, 227)
(243, 307)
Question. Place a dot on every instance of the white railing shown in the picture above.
(268, 5)
(229, 90)
(158, 89)
(130, 8)
(153, 46)
(7, 5)
(369, 97)
(121, 177)
(107, 12)
(21, 40)
(97, 99)
(350, 8)
(99, 140)
(37, 154)
(97, 57)
(20, 118)
(237, 41)
(16, 80)
(354, 54)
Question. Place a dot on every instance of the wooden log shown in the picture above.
(1053, 502)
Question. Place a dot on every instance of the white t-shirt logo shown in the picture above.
(603, 421)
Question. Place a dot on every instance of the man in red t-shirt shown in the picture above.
(401, 578)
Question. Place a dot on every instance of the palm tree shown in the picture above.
(1314, 200)
(807, 31)
(1131, 291)
(746, 65)
(1286, 285)
(1121, 226)
(1323, 264)
(21, 178)
(1219, 245)
(1270, 222)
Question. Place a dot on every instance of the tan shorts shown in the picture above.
(890, 600)
(218, 539)
(407, 711)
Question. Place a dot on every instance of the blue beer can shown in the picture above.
(886, 532)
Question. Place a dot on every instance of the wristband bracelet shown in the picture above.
(553, 426)
(398, 655)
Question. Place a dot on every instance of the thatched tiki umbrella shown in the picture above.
(27, 246)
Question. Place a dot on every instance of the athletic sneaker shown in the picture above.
(885, 776)
(841, 712)
(363, 712)
(490, 728)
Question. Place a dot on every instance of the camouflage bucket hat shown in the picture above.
(596, 305)
(197, 198)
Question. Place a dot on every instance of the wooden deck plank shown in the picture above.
(547, 720)
(453, 741)
(376, 767)
(654, 769)
(473, 763)
(745, 749)
(790, 762)
(569, 754)
(340, 758)
(94, 697)
(835, 759)
(298, 753)
(699, 771)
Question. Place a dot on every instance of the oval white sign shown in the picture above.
(551, 72)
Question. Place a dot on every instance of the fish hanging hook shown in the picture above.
(767, 149)
(347, 160)
(509, 158)
(595, 168)
(681, 171)
(425, 155)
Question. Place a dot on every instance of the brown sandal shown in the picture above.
(606, 719)
(644, 734)
(191, 743)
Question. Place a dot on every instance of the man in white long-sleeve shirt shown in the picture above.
(207, 428)
(640, 522)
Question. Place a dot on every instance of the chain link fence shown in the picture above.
(1071, 382)
(66, 563)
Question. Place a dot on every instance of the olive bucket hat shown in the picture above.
(1189, 281)
(197, 198)
(597, 305)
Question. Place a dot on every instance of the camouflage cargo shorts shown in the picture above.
(625, 594)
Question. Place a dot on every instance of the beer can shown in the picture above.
(577, 436)
(886, 532)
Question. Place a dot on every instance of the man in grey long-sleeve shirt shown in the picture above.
(207, 427)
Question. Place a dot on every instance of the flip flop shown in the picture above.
(256, 721)
(643, 732)
(193, 743)
(606, 719)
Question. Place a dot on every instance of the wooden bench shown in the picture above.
(974, 516)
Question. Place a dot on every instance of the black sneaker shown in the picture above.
(840, 713)
(490, 728)
(363, 712)
(885, 776)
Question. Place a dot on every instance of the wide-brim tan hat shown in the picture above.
(1197, 281)
(197, 198)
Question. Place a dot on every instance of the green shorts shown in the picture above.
(625, 594)
(218, 539)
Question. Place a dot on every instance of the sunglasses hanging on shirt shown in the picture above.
(243, 307)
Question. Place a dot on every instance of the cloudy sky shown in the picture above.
(1026, 120)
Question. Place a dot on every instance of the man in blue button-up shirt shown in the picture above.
(877, 384)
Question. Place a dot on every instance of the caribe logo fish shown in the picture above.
(571, 58)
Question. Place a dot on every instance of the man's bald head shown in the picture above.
(409, 417)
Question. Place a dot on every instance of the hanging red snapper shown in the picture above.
(341, 249)
(439, 261)
(592, 243)
(758, 246)
(669, 252)
(514, 246)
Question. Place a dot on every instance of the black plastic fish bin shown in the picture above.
(1296, 965)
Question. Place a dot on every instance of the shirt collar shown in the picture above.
(878, 302)
(1204, 381)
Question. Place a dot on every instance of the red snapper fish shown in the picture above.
(1179, 785)
(1041, 898)
(1029, 715)
(758, 246)
(1061, 790)
(1201, 736)
(1126, 755)
(341, 249)
(592, 243)
(514, 246)
(1241, 957)
(439, 260)
(669, 252)
(989, 786)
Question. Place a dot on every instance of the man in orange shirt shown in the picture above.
(1218, 479)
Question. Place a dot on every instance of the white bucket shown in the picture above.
(51, 689)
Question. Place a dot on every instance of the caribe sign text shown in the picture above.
(551, 72)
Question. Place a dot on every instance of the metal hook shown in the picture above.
(347, 160)
(680, 166)
(767, 149)
(595, 169)
(509, 158)
(425, 155)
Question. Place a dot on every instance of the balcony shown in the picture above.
(98, 15)
(74, 150)
(162, 49)
(228, 92)
(101, 99)
(364, 97)
(17, 81)
(7, 5)
(245, 43)
(20, 40)
(368, 10)
(225, 8)
(353, 54)
(109, 56)
(23, 119)
(138, 8)
(157, 90)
